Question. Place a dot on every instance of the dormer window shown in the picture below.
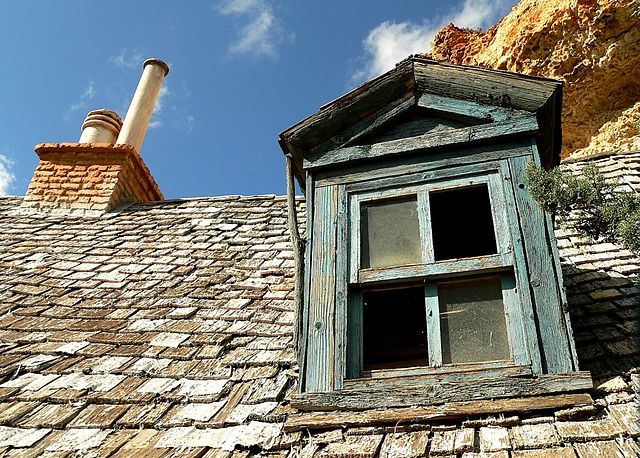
(427, 263)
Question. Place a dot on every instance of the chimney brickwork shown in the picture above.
(103, 171)
(95, 177)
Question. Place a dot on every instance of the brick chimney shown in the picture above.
(104, 170)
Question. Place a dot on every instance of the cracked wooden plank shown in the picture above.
(450, 410)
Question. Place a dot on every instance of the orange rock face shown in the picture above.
(592, 45)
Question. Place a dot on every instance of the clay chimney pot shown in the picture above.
(101, 126)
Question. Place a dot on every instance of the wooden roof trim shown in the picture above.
(419, 60)
(538, 89)
(370, 123)
(466, 108)
(520, 76)
(486, 86)
(426, 141)
(337, 123)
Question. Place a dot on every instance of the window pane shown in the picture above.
(390, 233)
(394, 328)
(472, 321)
(461, 223)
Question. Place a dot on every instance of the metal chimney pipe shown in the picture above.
(137, 119)
(101, 126)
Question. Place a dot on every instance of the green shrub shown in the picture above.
(600, 212)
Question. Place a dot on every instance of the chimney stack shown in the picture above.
(103, 171)
(143, 103)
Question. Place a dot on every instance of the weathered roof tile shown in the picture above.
(50, 416)
(99, 416)
(588, 430)
(10, 412)
(79, 439)
(21, 437)
(362, 446)
(494, 438)
(534, 436)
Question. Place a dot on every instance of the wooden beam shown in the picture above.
(467, 108)
(465, 135)
(415, 393)
(486, 86)
(479, 264)
(554, 338)
(368, 125)
(319, 364)
(447, 411)
(308, 247)
(433, 164)
(459, 373)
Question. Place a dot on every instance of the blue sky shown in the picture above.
(241, 72)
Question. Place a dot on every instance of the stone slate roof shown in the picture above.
(165, 329)
(603, 299)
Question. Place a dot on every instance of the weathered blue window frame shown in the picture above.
(535, 285)
(518, 313)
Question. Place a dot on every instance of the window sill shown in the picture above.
(447, 411)
(431, 391)
(430, 375)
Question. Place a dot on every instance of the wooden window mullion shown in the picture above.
(434, 344)
(355, 339)
(425, 227)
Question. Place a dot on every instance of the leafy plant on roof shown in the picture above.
(598, 210)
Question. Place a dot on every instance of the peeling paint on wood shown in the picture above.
(416, 393)
(450, 410)
(404, 146)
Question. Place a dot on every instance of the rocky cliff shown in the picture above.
(592, 45)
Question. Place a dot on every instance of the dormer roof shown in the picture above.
(471, 96)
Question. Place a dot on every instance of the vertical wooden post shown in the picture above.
(298, 250)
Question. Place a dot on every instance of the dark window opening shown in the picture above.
(394, 329)
(390, 233)
(461, 223)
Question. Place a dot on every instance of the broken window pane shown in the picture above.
(461, 223)
(390, 233)
(472, 321)
(394, 328)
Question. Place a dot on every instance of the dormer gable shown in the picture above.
(425, 98)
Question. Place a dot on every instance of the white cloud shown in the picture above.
(390, 42)
(478, 13)
(7, 177)
(239, 6)
(126, 60)
(85, 97)
(162, 96)
(263, 32)
(188, 124)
